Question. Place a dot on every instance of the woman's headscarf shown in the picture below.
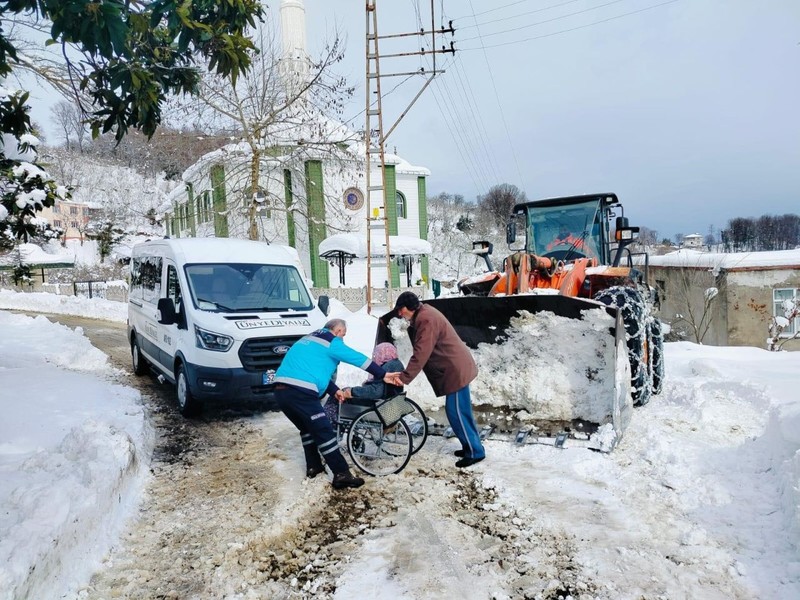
(383, 353)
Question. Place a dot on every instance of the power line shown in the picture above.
(546, 35)
(499, 8)
(500, 106)
(472, 173)
(363, 110)
(478, 117)
(465, 126)
(568, 15)
(530, 12)
(468, 122)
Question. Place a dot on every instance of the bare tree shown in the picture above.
(779, 324)
(281, 123)
(497, 203)
(694, 298)
(69, 119)
(170, 151)
(710, 239)
(648, 237)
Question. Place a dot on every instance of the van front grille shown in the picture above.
(262, 354)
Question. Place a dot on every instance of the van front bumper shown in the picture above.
(228, 385)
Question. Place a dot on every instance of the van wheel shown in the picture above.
(187, 404)
(140, 366)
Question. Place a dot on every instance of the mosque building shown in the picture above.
(311, 191)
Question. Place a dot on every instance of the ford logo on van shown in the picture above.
(280, 349)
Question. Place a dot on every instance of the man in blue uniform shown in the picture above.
(304, 377)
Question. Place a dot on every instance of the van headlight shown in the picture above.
(208, 340)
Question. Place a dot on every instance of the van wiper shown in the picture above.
(217, 304)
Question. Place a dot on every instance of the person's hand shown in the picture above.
(393, 379)
(340, 396)
(348, 393)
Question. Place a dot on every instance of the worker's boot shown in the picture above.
(346, 480)
(314, 470)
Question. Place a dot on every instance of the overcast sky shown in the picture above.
(688, 110)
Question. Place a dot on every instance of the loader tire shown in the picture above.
(633, 309)
(657, 355)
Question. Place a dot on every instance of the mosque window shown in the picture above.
(402, 207)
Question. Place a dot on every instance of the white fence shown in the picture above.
(355, 298)
(352, 298)
(109, 290)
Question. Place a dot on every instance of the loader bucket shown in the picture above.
(561, 369)
(484, 319)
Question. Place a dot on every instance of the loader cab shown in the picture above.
(566, 228)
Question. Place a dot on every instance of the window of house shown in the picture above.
(207, 205)
(74, 224)
(56, 209)
(57, 222)
(782, 299)
(73, 210)
(401, 206)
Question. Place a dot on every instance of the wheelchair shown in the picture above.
(382, 437)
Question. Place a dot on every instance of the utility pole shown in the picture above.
(375, 138)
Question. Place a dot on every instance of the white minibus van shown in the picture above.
(214, 316)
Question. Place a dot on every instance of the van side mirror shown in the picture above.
(166, 311)
(511, 232)
(324, 304)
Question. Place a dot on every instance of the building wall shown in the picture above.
(72, 217)
(741, 313)
(682, 293)
(228, 218)
(750, 301)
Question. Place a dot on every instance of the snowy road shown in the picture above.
(697, 502)
(214, 524)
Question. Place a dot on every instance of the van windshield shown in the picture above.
(243, 287)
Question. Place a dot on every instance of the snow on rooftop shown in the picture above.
(356, 244)
(32, 254)
(729, 261)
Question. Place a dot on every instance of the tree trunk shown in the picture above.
(255, 170)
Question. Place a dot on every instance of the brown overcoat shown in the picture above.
(439, 353)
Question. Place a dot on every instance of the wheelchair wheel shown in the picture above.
(418, 426)
(377, 450)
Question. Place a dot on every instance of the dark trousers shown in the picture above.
(316, 431)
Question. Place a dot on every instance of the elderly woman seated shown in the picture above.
(371, 390)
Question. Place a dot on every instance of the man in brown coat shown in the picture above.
(449, 367)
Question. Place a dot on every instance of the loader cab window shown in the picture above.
(565, 232)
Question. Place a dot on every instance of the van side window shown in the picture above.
(148, 278)
(136, 279)
(174, 288)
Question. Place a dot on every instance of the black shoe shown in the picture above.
(467, 462)
(459, 453)
(312, 472)
(346, 480)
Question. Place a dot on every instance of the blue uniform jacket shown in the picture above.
(312, 360)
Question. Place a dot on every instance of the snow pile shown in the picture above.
(65, 305)
(72, 447)
(552, 368)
